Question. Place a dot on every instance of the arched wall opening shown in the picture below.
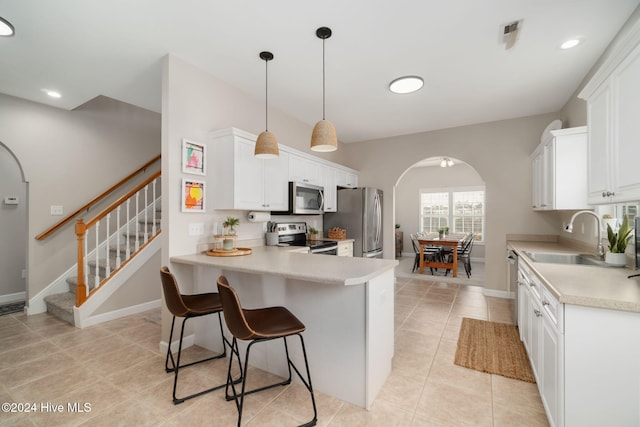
(13, 228)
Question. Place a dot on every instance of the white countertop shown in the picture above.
(281, 261)
(585, 285)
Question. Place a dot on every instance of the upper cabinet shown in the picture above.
(559, 168)
(243, 182)
(613, 113)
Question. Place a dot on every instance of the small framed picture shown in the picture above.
(193, 195)
(194, 159)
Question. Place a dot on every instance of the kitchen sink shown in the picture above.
(566, 258)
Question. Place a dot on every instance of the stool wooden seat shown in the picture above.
(187, 307)
(260, 325)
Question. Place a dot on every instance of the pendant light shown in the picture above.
(323, 137)
(266, 144)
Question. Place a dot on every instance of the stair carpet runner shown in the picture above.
(61, 305)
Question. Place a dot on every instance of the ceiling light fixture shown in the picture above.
(406, 84)
(6, 28)
(570, 43)
(266, 144)
(323, 137)
(446, 162)
(52, 93)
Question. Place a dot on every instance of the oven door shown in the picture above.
(329, 250)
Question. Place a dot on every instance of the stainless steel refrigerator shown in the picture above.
(360, 213)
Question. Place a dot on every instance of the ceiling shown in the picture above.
(86, 48)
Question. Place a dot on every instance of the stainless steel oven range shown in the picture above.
(295, 234)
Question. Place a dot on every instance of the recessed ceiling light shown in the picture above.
(406, 84)
(52, 93)
(570, 43)
(6, 29)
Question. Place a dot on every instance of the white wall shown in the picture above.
(415, 179)
(13, 228)
(498, 151)
(68, 157)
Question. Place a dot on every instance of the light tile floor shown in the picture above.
(117, 369)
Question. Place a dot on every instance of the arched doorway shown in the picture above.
(457, 185)
(13, 228)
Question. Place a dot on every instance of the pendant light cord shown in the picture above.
(323, 82)
(266, 95)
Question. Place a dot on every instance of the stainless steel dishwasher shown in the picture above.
(512, 275)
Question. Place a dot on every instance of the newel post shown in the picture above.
(81, 288)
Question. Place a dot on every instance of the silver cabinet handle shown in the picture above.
(545, 303)
(538, 313)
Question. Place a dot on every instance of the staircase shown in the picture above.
(61, 305)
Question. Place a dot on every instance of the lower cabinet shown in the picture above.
(345, 248)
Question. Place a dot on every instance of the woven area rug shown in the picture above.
(11, 308)
(494, 348)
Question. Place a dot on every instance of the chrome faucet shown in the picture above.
(599, 247)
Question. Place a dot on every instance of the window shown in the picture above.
(460, 209)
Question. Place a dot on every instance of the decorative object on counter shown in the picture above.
(313, 233)
(618, 243)
(193, 195)
(230, 225)
(323, 137)
(337, 233)
(224, 242)
(194, 157)
(609, 220)
(266, 144)
(233, 252)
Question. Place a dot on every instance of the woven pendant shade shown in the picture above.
(266, 146)
(324, 137)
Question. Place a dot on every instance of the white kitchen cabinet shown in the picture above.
(345, 248)
(346, 179)
(242, 181)
(613, 108)
(330, 188)
(302, 169)
(540, 321)
(559, 167)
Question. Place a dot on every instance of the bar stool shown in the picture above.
(260, 325)
(187, 307)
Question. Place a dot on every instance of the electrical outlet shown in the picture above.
(57, 210)
(196, 229)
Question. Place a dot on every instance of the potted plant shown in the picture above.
(618, 243)
(313, 233)
(441, 233)
(230, 225)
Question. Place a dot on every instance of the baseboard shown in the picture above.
(187, 341)
(498, 294)
(17, 297)
(116, 314)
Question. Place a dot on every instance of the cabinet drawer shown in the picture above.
(552, 308)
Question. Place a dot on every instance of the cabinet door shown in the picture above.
(304, 170)
(626, 147)
(548, 181)
(523, 315)
(535, 342)
(551, 371)
(248, 177)
(276, 183)
(599, 117)
(330, 189)
(536, 181)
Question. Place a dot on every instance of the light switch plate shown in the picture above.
(196, 229)
(57, 210)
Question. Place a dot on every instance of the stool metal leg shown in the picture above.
(175, 364)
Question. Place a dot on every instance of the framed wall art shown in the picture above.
(194, 159)
(193, 195)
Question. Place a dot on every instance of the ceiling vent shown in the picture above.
(510, 33)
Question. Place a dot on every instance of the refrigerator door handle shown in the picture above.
(378, 218)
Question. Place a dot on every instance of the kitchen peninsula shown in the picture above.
(347, 305)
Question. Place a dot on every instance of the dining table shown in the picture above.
(448, 240)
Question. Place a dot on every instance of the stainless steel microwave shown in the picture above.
(305, 199)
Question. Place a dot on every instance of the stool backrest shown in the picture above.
(172, 296)
(233, 313)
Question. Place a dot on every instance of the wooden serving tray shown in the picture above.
(232, 252)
